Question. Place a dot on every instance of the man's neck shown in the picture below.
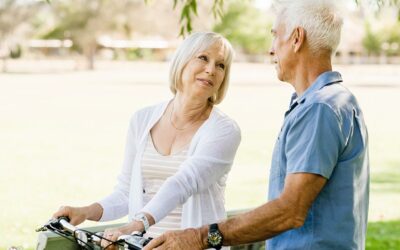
(307, 71)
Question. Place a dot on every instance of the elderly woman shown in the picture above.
(178, 153)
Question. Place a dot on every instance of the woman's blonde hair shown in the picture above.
(192, 45)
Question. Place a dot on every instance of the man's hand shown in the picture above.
(178, 240)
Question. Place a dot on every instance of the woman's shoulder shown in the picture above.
(145, 114)
(220, 128)
(222, 121)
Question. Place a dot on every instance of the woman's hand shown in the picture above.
(77, 215)
(112, 234)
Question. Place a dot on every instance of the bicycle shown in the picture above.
(91, 241)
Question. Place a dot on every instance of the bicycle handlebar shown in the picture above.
(62, 227)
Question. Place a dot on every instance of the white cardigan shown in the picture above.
(199, 184)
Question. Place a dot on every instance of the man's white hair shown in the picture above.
(319, 18)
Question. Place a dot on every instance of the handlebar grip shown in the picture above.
(66, 218)
(64, 222)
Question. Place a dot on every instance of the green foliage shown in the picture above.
(371, 41)
(138, 54)
(246, 27)
(189, 9)
(84, 21)
(16, 51)
(73, 22)
(391, 36)
(383, 235)
(386, 40)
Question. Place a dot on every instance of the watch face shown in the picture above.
(214, 239)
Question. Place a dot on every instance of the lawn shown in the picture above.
(62, 135)
(383, 235)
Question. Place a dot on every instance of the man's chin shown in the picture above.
(279, 76)
(278, 73)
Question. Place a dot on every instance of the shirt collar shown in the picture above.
(326, 78)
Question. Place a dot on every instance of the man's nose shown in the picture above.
(271, 51)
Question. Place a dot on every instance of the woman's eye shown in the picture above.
(204, 58)
(221, 65)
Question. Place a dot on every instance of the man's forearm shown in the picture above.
(287, 212)
(259, 224)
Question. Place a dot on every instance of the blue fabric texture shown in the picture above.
(324, 133)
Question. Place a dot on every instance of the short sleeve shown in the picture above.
(314, 141)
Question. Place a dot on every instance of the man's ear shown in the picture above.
(298, 38)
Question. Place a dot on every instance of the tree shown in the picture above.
(371, 41)
(13, 13)
(83, 21)
(391, 39)
(245, 26)
(189, 9)
(380, 4)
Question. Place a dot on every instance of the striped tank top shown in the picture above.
(156, 168)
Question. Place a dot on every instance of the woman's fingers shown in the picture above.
(75, 214)
(62, 211)
(111, 235)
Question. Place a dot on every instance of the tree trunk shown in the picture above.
(90, 52)
(90, 61)
(4, 68)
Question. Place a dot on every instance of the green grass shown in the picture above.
(383, 235)
(62, 138)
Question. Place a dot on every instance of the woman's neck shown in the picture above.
(186, 110)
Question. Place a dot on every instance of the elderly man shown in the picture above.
(319, 179)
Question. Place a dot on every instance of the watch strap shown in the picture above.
(215, 237)
(142, 218)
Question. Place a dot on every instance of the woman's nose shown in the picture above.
(210, 68)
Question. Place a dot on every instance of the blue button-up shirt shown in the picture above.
(324, 133)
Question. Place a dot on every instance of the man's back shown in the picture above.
(324, 133)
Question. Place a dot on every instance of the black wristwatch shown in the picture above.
(214, 238)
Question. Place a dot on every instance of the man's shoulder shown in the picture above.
(336, 97)
(333, 95)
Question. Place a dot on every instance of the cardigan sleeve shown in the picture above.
(116, 205)
(212, 158)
